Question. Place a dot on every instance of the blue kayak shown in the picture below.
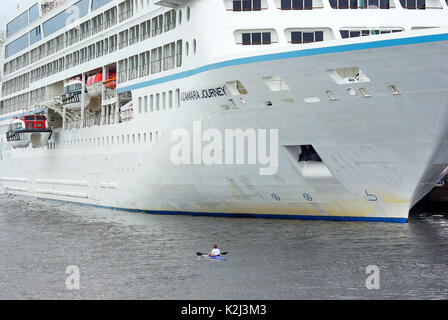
(218, 258)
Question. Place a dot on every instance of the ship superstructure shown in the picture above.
(357, 90)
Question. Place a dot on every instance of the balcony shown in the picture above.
(144, 70)
(125, 15)
(156, 66)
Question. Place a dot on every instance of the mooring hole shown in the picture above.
(308, 161)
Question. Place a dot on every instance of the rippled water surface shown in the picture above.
(124, 255)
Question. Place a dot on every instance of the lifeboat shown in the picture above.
(71, 98)
(111, 81)
(26, 130)
(94, 85)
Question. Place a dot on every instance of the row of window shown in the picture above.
(134, 138)
(159, 59)
(105, 20)
(86, 54)
(22, 20)
(306, 37)
(360, 4)
(19, 102)
(66, 17)
(171, 58)
(247, 5)
(159, 101)
(17, 84)
(152, 27)
(258, 5)
(162, 58)
(414, 4)
(256, 38)
(98, 23)
(296, 4)
(366, 32)
(301, 37)
(17, 45)
(86, 29)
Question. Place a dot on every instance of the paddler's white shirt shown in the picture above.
(216, 252)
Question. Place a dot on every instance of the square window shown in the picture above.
(343, 4)
(256, 38)
(344, 34)
(246, 39)
(297, 4)
(296, 37)
(247, 5)
(308, 4)
(237, 5)
(266, 38)
(308, 37)
(384, 4)
(286, 5)
(256, 5)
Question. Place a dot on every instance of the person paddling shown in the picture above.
(215, 251)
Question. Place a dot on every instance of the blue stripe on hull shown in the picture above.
(245, 215)
(288, 55)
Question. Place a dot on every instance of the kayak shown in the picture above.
(217, 258)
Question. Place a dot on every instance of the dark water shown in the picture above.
(124, 255)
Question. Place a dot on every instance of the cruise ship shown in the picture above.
(353, 94)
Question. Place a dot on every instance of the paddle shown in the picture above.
(200, 253)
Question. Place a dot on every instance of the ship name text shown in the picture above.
(203, 94)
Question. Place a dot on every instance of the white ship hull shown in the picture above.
(383, 152)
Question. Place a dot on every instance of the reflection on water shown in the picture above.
(124, 255)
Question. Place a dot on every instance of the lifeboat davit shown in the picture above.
(72, 95)
(94, 85)
(26, 130)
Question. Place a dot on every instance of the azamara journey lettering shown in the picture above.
(203, 94)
